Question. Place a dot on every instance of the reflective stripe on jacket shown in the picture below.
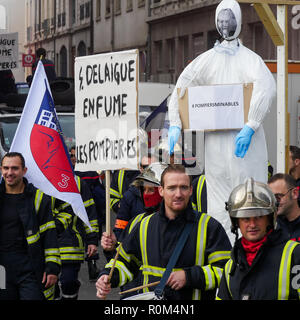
(40, 233)
(270, 276)
(153, 240)
(199, 196)
(120, 182)
(74, 234)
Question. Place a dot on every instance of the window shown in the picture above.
(98, 9)
(198, 44)
(141, 3)
(171, 53)
(73, 11)
(81, 50)
(81, 11)
(117, 6)
(63, 61)
(129, 6)
(87, 9)
(184, 44)
(107, 8)
(159, 55)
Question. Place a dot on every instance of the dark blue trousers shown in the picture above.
(69, 280)
(21, 281)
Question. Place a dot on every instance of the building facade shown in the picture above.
(168, 33)
(183, 29)
(121, 25)
(12, 20)
(72, 28)
(62, 27)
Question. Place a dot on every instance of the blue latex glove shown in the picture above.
(243, 140)
(173, 136)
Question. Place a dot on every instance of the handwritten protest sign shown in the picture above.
(106, 111)
(9, 51)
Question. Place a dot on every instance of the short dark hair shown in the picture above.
(14, 154)
(72, 148)
(40, 52)
(179, 168)
(289, 180)
(295, 152)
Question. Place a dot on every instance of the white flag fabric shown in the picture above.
(39, 139)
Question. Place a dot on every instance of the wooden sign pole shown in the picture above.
(107, 194)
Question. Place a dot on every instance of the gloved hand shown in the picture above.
(243, 140)
(173, 135)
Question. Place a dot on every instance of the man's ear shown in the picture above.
(191, 190)
(297, 162)
(161, 191)
(295, 193)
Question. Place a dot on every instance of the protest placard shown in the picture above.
(215, 107)
(106, 111)
(9, 51)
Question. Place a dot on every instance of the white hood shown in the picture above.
(228, 19)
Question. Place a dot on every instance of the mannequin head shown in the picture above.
(228, 19)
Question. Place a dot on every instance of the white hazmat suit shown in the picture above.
(230, 62)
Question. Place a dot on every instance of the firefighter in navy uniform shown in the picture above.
(73, 237)
(198, 269)
(28, 239)
(148, 181)
(120, 182)
(262, 260)
(199, 196)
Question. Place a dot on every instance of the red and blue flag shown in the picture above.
(39, 138)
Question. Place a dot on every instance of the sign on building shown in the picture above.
(106, 111)
(28, 59)
(9, 51)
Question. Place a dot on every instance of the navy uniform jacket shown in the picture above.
(291, 228)
(152, 242)
(40, 232)
(266, 278)
(130, 206)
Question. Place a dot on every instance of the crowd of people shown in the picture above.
(43, 244)
(264, 219)
(172, 239)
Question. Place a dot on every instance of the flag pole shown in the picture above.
(107, 193)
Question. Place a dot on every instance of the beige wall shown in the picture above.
(15, 22)
(131, 29)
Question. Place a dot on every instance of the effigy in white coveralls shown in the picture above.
(230, 156)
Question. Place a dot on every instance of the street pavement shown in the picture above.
(87, 290)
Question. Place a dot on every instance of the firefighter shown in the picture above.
(121, 181)
(262, 260)
(148, 181)
(152, 241)
(73, 236)
(28, 240)
(138, 197)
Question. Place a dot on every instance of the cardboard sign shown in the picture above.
(106, 111)
(213, 108)
(9, 51)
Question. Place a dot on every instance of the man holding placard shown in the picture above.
(230, 155)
